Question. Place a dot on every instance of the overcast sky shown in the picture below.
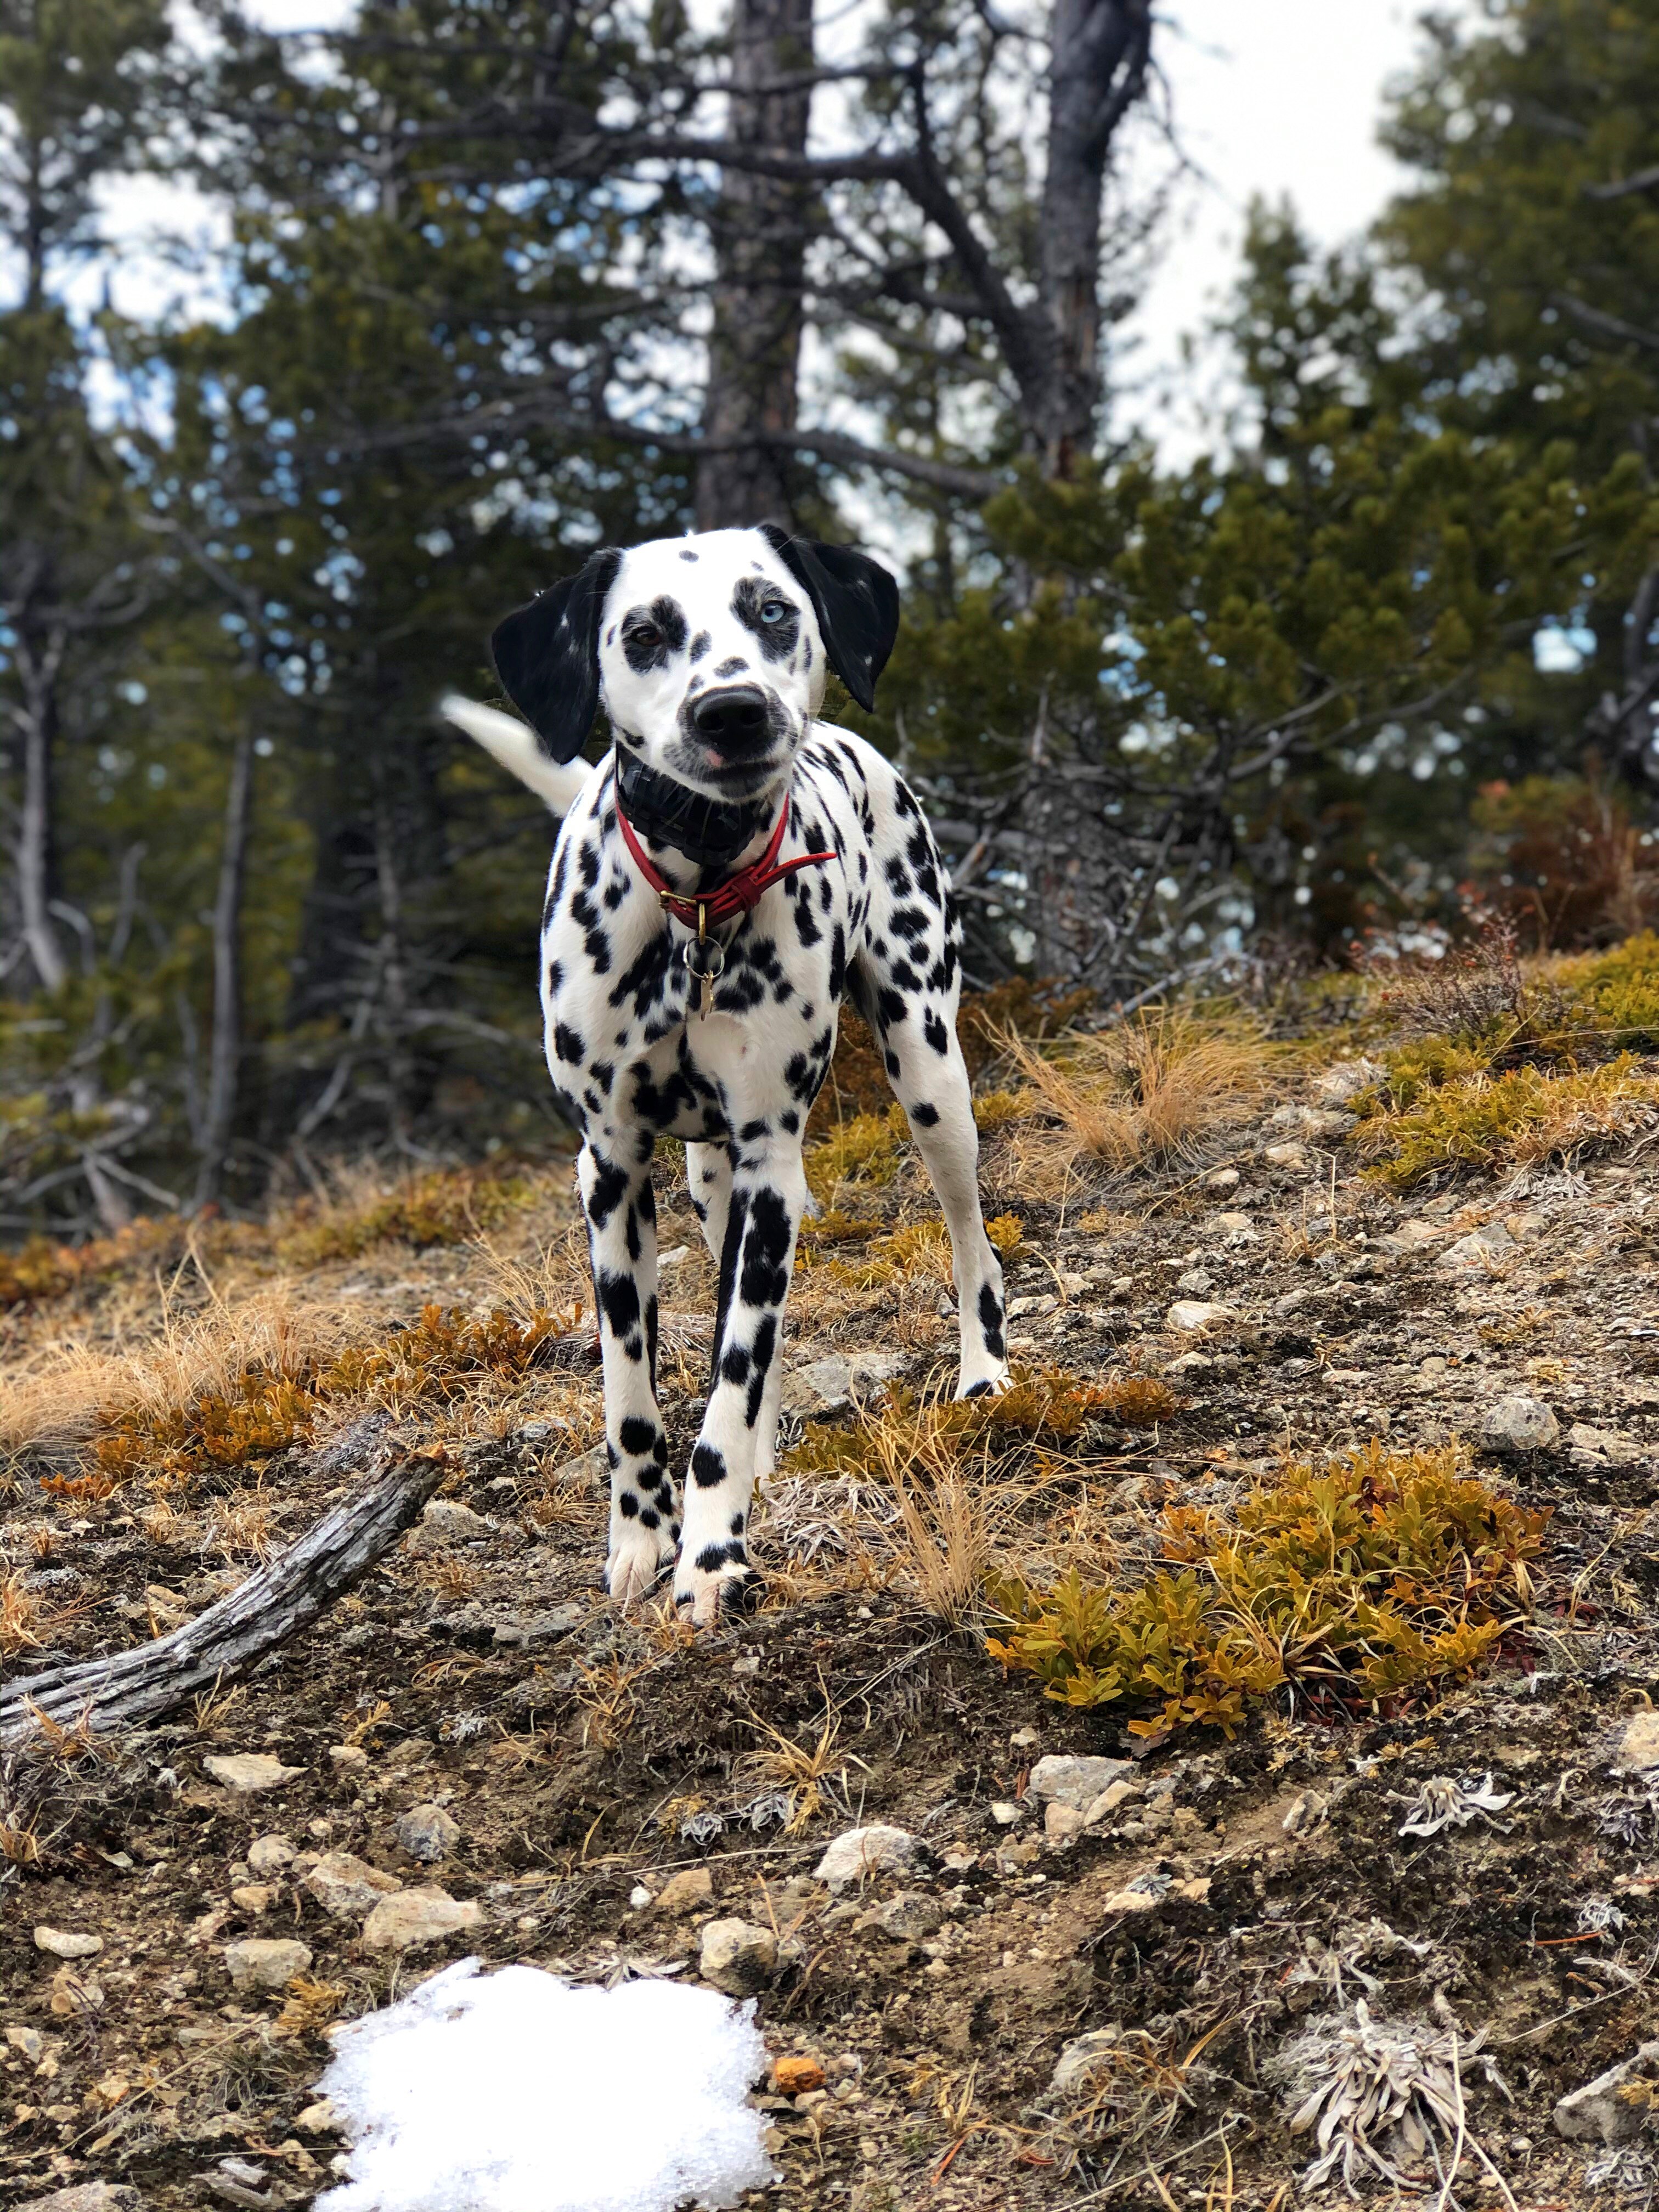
(1271, 96)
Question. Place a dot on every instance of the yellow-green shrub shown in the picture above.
(1386, 1573)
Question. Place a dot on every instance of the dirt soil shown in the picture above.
(1237, 1894)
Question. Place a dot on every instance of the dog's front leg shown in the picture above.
(622, 1238)
(769, 1195)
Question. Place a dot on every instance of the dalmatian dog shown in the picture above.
(730, 871)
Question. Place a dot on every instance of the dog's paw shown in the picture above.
(987, 1383)
(638, 1559)
(706, 1599)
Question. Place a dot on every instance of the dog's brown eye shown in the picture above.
(641, 634)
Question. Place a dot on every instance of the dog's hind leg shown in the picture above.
(621, 1237)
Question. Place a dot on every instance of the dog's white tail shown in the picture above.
(513, 744)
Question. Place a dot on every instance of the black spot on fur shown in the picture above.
(990, 1320)
(925, 1116)
(934, 1029)
(707, 1467)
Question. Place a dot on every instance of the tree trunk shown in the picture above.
(759, 234)
(35, 852)
(226, 1053)
(1100, 53)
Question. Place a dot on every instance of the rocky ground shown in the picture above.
(1065, 1965)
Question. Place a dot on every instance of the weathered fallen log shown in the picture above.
(285, 1597)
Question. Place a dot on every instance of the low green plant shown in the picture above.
(1525, 1117)
(1376, 1577)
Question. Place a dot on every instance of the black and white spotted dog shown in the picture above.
(708, 655)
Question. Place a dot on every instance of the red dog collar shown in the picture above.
(738, 895)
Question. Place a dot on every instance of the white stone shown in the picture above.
(248, 1773)
(1193, 1315)
(1598, 2112)
(864, 1852)
(266, 1962)
(348, 1758)
(1006, 1813)
(412, 1917)
(824, 1386)
(1075, 1781)
(1604, 1444)
(347, 1887)
(1081, 2058)
(1104, 1807)
(1292, 1156)
(1638, 1747)
(588, 1470)
(1520, 1423)
(427, 1833)
(269, 1854)
(320, 2118)
(1061, 1822)
(62, 1944)
(86, 2197)
(1480, 1247)
(737, 1957)
(446, 1522)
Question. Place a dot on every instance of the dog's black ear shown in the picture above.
(855, 600)
(547, 656)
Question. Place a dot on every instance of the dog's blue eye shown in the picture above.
(774, 610)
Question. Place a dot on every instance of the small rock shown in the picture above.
(824, 1386)
(1006, 1813)
(864, 1852)
(427, 1833)
(249, 1772)
(1238, 1228)
(1222, 1179)
(269, 1854)
(909, 1917)
(1081, 2059)
(1190, 1363)
(1193, 1313)
(794, 2077)
(1292, 1156)
(687, 1892)
(74, 1994)
(87, 2197)
(445, 1523)
(320, 2118)
(254, 1897)
(348, 1758)
(266, 1962)
(588, 1470)
(1348, 1080)
(1638, 1747)
(63, 1945)
(1614, 2106)
(737, 1957)
(1196, 1283)
(347, 1886)
(1605, 1446)
(412, 1918)
(1077, 1782)
(27, 2041)
(1104, 1807)
(1481, 1247)
(1130, 1900)
(1060, 1823)
(1520, 1424)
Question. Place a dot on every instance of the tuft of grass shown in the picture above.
(1618, 992)
(447, 1350)
(864, 1150)
(1525, 1117)
(1380, 1576)
(444, 1205)
(1146, 1092)
(1140, 1401)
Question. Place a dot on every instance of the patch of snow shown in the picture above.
(516, 2092)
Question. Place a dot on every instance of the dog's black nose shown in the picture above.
(732, 719)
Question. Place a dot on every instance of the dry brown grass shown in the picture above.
(1148, 1090)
